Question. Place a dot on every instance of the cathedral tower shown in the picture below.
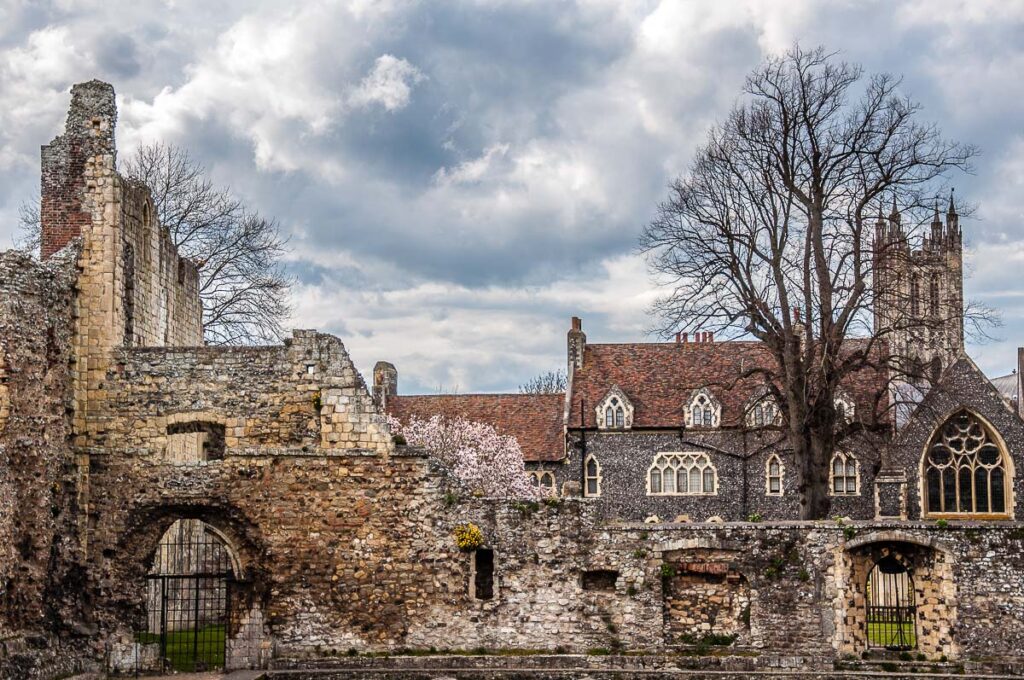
(919, 298)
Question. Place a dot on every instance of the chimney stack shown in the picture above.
(576, 343)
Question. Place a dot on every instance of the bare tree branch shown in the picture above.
(777, 232)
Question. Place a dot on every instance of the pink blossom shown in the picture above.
(485, 461)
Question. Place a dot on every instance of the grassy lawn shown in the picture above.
(209, 653)
(888, 634)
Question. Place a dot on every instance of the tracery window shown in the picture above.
(844, 475)
(915, 295)
(773, 475)
(592, 477)
(682, 474)
(614, 411)
(703, 410)
(966, 470)
(933, 295)
(544, 480)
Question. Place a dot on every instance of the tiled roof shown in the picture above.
(1007, 386)
(535, 420)
(659, 379)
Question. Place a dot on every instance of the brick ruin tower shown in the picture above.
(919, 298)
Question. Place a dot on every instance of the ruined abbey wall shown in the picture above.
(38, 496)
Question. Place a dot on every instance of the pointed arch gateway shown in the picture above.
(966, 471)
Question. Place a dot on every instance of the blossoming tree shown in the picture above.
(485, 461)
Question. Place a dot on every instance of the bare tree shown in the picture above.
(776, 230)
(242, 284)
(550, 382)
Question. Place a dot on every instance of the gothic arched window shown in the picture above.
(933, 295)
(915, 295)
(773, 475)
(843, 474)
(615, 411)
(592, 474)
(703, 410)
(966, 470)
(682, 474)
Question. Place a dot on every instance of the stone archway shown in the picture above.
(924, 568)
(192, 574)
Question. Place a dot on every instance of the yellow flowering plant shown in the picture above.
(468, 536)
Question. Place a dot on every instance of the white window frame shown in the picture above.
(676, 460)
(709, 403)
(615, 399)
(847, 458)
(587, 476)
(768, 476)
(768, 406)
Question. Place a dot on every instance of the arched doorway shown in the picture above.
(189, 589)
(890, 605)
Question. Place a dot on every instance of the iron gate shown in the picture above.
(188, 597)
(891, 612)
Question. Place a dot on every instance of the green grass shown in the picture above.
(888, 634)
(182, 653)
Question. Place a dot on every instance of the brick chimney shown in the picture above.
(385, 382)
(88, 136)
(576, 344)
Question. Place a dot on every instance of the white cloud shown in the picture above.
(389, 84)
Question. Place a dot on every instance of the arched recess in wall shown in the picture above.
(898, 595)
(196, 574)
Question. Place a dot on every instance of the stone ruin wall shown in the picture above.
(347, 543)
(38, 500)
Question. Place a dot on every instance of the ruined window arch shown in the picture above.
(194, 440)
(544, 480)
(844, 475)
(966, 470)
(703, 410)
(592, 477)
(774, 471)
(682, 474)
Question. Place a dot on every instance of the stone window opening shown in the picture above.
(483, 574)
(592, 477)
(599, 579)
(682, 474)
(933, 295)
(774, 471)
(703, 410)
(614, 412)
(966, 471)
(844, 475)
(844, 407)
(195, 441)
(544, 481)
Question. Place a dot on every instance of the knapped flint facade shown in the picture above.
(118, 428)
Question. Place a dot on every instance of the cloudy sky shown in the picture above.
(459, 178)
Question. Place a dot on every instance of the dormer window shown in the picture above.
(615, 412)
(763, 411)
(703, 410)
